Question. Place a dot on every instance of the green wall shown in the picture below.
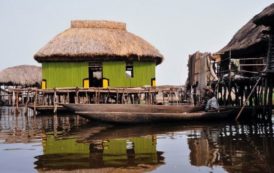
(143, 72)
(51, 145)
(71, 74)
(142, 145)
(114, 151)
(65, 74)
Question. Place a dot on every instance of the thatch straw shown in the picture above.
(250, 40)
(25, 75)
(98, 24)
(97, 40)
(266, 17)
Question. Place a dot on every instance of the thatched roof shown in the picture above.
(249, 41)
(25, 75)
(266, 17)
(97, 40)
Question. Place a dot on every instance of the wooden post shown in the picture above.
(17, 101)
(99, 97)
(1, 100)
(122, 99)
(171, 95)
(229, 80)
(34, 102)
(26, 106)
(270, 95)
(55, 125)
(43, 99)
(67, 99)
(265, 98)
(13, 98)
(55, 105)
(163, 97)
(117, 95)
(86, 100)
(77, 96)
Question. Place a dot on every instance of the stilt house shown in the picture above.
(98, 54)
(201, 72)
(247, 64)
(21, 76)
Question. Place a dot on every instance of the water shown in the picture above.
(69, 143)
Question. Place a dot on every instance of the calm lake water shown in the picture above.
(69, 143)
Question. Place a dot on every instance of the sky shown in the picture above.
(177, 28)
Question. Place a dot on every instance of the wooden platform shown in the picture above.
(49, 99)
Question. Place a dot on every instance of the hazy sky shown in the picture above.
(176, 28)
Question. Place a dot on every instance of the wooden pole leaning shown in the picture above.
(253, 89)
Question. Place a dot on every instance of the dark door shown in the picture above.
(95, 74)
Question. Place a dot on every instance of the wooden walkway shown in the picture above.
(50, 99)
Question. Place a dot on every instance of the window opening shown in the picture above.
(129, 70)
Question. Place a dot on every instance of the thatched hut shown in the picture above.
(23, 75)
(98, 54)
(266, 18)
(250, 44)
(249, 41)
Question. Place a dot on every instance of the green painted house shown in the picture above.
(98, 54)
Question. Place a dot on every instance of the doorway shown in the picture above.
(95, 74)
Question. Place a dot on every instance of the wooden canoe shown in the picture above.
(121, 113)
(131, 108)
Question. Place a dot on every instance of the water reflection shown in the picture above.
(238, 148)
(24, 127)
(70, 143)
(93, 148)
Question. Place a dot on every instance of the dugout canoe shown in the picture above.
(130, 113)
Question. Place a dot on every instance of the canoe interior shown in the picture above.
(132, 108)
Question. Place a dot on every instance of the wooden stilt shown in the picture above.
(265, 99)
(117, 96)
(34, 102)
(55, 101)
(55, 125)
(17, 101)
(1, 99)
(77, 96)
(270, 98)
(28, 99)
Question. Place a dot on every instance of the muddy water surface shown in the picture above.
(69, 143)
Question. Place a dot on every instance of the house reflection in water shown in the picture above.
(236, 148)
(68, 153)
